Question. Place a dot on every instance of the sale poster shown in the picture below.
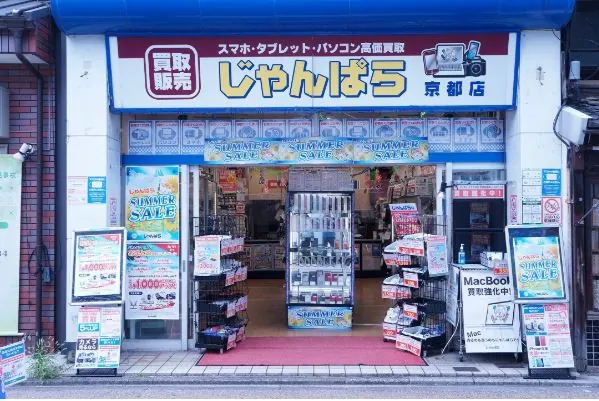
(319, 317)
(98, 338)
(206, 255)
(537, 267)
(98, 265)
(436, 253)
(152, 203)
(152, 287)
(13, 364)
(548, 338)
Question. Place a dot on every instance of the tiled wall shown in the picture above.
(593, 342)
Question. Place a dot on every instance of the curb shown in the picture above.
(329, 380)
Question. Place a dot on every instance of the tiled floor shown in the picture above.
(184, 363)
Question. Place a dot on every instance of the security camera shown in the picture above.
(25, 151)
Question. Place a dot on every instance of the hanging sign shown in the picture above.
(98, 267)
(536, 262)
(436, 255)
(10, 243)
(306, 72)
(478, 191)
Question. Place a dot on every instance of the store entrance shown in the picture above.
(256, 202)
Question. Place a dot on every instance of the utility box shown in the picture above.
(4, 113)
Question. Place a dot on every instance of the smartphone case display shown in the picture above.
(320, 263)
(220, 292)
(416, 318)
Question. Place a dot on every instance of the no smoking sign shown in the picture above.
(552, 210)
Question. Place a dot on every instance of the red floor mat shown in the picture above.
(302, 351)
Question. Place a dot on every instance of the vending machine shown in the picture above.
(320, 260)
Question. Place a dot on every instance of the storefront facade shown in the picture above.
(337, 87)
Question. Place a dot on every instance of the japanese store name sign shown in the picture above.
(407, 71)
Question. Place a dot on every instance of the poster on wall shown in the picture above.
(140, 137)
(166, 137)
(14, 364)
(98, 267)
(227, 180)
(491, 318)
(193, 134)
(10, 243)
(535, 261)
(412, 129)
(206, 255)
(316, 151)
(299, 128)
(548, 340)
(241, 152)
(220, 130)
(389, 71)
(436, 254)
(247, 129)
(98, 338)
(273, 129)
(465, 134)
(152, 286)
(384, 128)
(479, 215)
(439, 134)
(390, 151)
(357, 128)
(331, 128)
(152, 203)
(323, 317)
(492, 136)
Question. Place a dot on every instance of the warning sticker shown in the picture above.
(552, 210)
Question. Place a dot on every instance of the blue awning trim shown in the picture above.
(270, 17)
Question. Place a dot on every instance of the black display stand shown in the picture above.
(215, 296)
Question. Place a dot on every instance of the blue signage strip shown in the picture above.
(552, 182)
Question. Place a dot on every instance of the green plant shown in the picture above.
(44, 365)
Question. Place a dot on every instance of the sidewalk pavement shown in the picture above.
(180, 367)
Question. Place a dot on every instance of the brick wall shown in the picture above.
(22, 86)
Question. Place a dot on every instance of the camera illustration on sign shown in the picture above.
(453, 60)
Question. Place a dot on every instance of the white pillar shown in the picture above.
(93, 144)
(531, 142)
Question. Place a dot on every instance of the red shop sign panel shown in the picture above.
(478, 192)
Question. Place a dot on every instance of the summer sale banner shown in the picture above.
(152, 204)
(319, 317)
(537, 267)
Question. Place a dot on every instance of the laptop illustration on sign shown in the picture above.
(453, 60)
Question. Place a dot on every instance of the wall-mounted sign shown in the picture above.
(319, 317)
(397, 71)
(478, 191)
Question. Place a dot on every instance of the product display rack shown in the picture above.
(220, 292)
(320, 262)
(416, 319)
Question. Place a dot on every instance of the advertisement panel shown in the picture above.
(10, 243)
(319, 317)
(14, 366)
(152, 203)
(305, 72)
(491, 319)
(536, 263)
(152, 287)
(548, 340)
(98, 267)
(98, 338)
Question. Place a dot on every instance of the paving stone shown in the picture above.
(274, 371)
(336, 370)
(227, 370)
(321, 371)
(432, 371)
(463, 374)
(150, 369)
(510, 372)
(368, 370)
(352, 371)
(523, 371)
(305, 370)
(211, 370)
(383, 370)
(290, 370)
(399, 370)
(447, 371)
(243, 370)
(259, 370)
(415, 371)
(166, 370)
(196, 370)
(183, 370)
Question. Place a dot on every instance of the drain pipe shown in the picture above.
(18, 41)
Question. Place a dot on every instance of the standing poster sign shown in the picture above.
(491, 320)
(10, 243)
(14, 368)
(98, 338)
(536, 263)
(98, 267)
(152, 281)
(547, 330)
